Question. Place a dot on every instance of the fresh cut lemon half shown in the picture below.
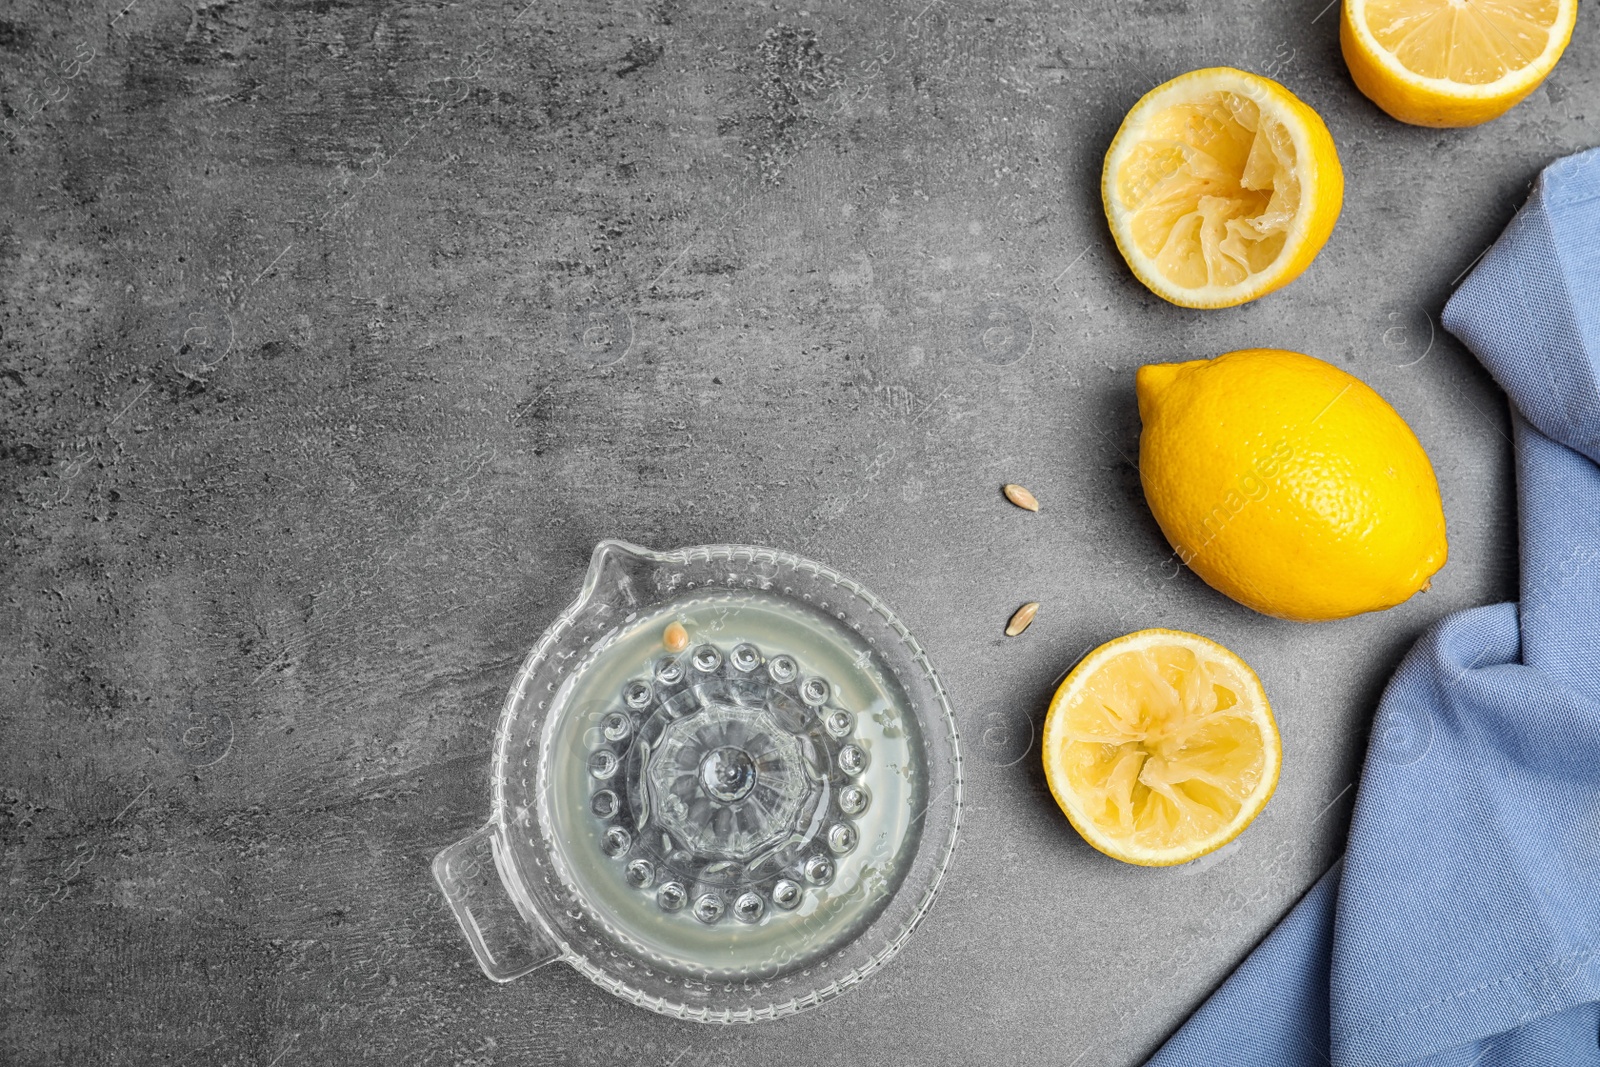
(1452, 62)
(1220, 187)
(1160, 747)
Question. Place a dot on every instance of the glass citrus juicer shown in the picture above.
(726, 786)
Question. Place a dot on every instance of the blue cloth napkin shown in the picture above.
(1462, 927)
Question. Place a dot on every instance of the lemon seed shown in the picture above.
(1022, 619)
(1021, 497)
(675, 637)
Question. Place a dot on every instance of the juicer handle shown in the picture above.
(508, 944)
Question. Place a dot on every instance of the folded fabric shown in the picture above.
(1462, 928)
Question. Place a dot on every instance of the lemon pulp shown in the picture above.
(1469, 43)
(1161, 747)
(1211, 190)
(1221, 186)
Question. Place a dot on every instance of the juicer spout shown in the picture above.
(616, 569)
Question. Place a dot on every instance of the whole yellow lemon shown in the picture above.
(1287, 484)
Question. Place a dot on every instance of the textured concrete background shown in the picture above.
(336, 333)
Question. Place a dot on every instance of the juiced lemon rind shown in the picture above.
(1089, 751)
(1316, 167)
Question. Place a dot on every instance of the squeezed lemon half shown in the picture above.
(1220, 187)
(1160, 747)
(1452, 62)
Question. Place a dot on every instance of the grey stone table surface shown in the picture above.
(336, 333)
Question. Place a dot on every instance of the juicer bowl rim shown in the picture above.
(502, 804)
